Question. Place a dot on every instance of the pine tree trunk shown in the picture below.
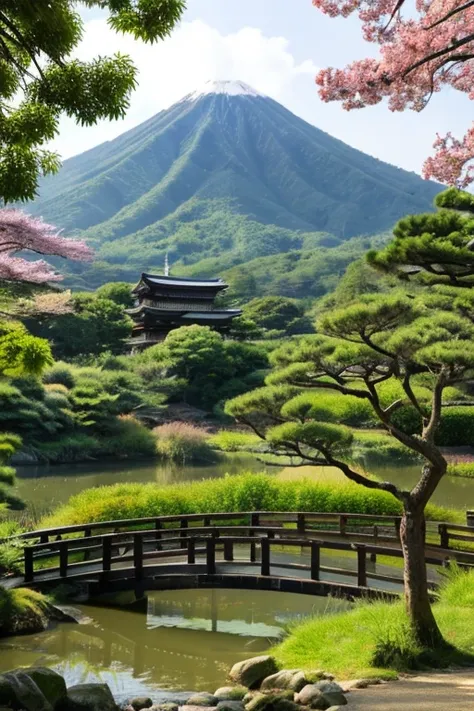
(418, 605)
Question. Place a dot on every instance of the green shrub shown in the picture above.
(73, 448)
(457, 427)
(60, 374)
(129, 439)
(183, 443)
(381, 446)
(463, 469)
(244, 492)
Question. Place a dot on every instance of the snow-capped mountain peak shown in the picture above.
(223, 86)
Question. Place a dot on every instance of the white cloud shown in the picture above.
(195, 53)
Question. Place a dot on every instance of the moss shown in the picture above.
(24, 611)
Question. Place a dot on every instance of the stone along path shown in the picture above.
(453, 691)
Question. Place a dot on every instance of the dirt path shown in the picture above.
(452, 691)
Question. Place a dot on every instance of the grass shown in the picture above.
(22, 611)
(374, 639)
(184, 443)
(243, 492)
(462, 469)
(228, 441)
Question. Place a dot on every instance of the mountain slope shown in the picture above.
(225, 171)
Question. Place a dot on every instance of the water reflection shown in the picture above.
(186, 641)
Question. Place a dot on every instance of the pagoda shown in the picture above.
(167, 302)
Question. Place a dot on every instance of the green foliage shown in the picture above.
(117, 291)
(245, 492)
(46, 35)
(9, 444)
(380, 447)
(374, 639)
(22, 610)
(457, 427)
(97, 325)
(207, 368)
(183, 443)
(277, 313)
(127, 438)
(23, 354)
(463, 469)
(233, 441)
(70, 448)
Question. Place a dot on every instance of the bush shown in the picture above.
(183, 443)
(457, 427)
(74, 448)
(129, 439)
(244, 492)
(381, 446)
(463, 469)
(60, 374)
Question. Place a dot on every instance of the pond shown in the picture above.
(46, 487)
(186, 641)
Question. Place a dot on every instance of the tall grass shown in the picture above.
(374, 639)
(244, 492)
(184, 443)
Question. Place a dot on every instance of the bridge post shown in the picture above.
(342, 525)
(44, 538)
(315, 559)
(211, 555)
(254, 521)
(106, 555)
(398, 523)
(183, 535)
(301, 523)
(228, 550)
(29, 566)
(361, 567)
(158, 535)
(443, 535)
(63, 556)
(265, 562)
(138, 555)
(87, 534)
(191, 551)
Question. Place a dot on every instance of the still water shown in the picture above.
(44, 488)
(186, 641)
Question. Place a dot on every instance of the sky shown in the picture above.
(276, 46)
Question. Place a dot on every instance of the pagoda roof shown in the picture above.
(215, 315)
(157, 280)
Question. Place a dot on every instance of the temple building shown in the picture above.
(167, 302)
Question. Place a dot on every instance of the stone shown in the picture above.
(249, 696)
(167, 706)
(259, 702)
(229, 705)
(141, 702)
(90, 697)
(327, 676)
(50, 683)
(282, 704)
(230, 693)
(188, 707)
(313, 697)
(332, 692)
(298, 681)
(315, 675)
(280, 680)
(334, 708)
(251, 672)
(202, 699)
(18, 691)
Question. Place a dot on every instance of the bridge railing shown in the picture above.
(140, 553)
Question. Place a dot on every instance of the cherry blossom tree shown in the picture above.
(425, 46)
(20, 232)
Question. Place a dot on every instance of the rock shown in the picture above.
(50, 683)
(249, 696)
(347, 686)
(334, 708)
(332, 692)
(18, 691)
(167, 706)
(313, 697)
(229, 705)
(251, 672)
(259, 702)
(141, 702)
(328, 676)
(315, 675)
(298, 681)
(230, 693)
(189, 707)
(280, 680)
(282, 704)
(90, 697)
(202, 699)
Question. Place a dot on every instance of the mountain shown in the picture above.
(225, 176)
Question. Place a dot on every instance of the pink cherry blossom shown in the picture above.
(429, 49)
(21, 232)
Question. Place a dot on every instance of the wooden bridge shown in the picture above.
(340, 554)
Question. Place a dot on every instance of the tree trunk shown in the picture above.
(418, 605)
